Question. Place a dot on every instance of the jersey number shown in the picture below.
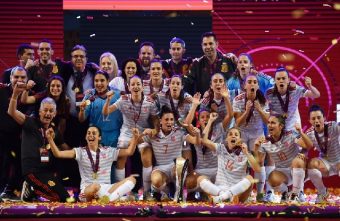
(229, 165)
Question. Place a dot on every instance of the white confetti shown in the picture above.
(92, 35)
(78, 17)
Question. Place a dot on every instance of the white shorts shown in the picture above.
(208, 172)
(124, 144)
(167, 169)
(331, 167)
(103, 187)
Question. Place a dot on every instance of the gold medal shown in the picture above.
(95, 176)
(76, 90)
(48, 146)
(87, 102)
(55, 69)
(285, 115)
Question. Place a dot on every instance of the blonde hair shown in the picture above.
(114, 62)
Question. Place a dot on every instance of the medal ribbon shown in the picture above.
(95, 166)
(323, 146)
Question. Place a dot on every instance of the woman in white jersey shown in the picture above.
(95, 163)
(136, 109)
(231, 179)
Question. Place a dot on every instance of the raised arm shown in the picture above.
(258, 155)
(81, 114)
(195, 103)
(252, 161)
(194, 136)
(12, 108)
(263, 114)
(132, 146)
(312, 91)
(241, 117)
(205, 141)
(108, 109)
(56, 152)
(230, 113)
(304, 141)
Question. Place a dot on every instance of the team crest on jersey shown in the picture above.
(173, 138)
(239, 159)
(145, 109)
(224, 67)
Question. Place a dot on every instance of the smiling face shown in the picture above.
(243, 65)
(79, 59)
(93, 136)
(47, 112)
(167, 122)
(135, 86)
(233, 138)
(130, 69)
(100, 83)
(217, 83)
(274, 126)
(176, 51)
(146, 54)
(203, 118)
(175, 87)
(281, 81)
(18, 76)
(209, 46)
(56, 87)
(251, 85)
(107, 65)
(45, 51)
(317, 120)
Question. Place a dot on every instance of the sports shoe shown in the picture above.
(260, 197)
(216, 199)
(322, 198)
(27, 193)
(269, 197)
(9, 196)
(284, 197)
(297, 198)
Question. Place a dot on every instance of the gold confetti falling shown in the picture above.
(336, 6)
(66, 178)
(298, 13)
(13, 154)
(334, 41)
(51, 183)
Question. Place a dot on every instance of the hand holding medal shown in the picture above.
(110, 94)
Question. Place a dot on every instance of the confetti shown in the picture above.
(249, 12)
(266, 31)
(326, 5)
(300, 50)
(38, 16)
(92, 35)
(51, 183)
(205, 1)
(192, 23)
(334, 41)
(78, 17)
(336, 6)
(66, 178)
(136, 40)
(40, 214)
(297, 31)
(299, 13)
(89, 17)
(105, 15)
(13, 154)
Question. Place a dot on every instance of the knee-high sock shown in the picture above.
(269, 169)
(147, 178)
(236, 189)
(316, 178)
(120, 174)
(101, 192)
(208, 187)
(126, 187)
(261, 176)
(298, 179)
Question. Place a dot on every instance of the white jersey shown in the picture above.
(332, 153)
(148, 88)
(255, 124)
(107, 156)
(166, 148)
(182, 110)
(209, 159)
(283, 151)
(118, 83)
(232, 168)
(221, 108)
(135, 114)
(294, 96)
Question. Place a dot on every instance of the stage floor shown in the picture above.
(140, 210)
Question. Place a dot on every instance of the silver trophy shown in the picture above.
(181, 173)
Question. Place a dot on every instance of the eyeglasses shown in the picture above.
(78, 56)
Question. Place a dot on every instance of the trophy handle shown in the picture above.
(181, 173)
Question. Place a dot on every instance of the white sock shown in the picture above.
(126, 187)
(261, 176)
(210, 188)
(316, 178)
(269, 169)
(159, 189)
(120, 174)
(240, 187)
(147, 178)
(298, 179)
(102, 192)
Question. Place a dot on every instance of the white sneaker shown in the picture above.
(322, 198)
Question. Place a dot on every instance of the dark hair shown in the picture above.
(177, 40)
(155, 60)
(280, 118)
(136, 76)
(45, 40)
(106, 75)
(146, 43)
(181, 93)
(211, 92)
(259, 95)
(79, 47)
(316, 107)
(99, 130)
(21, 49)
(279, 69)
(63, 107)
(138, 71)
(234, 128)
(208, 34)
(165, 110)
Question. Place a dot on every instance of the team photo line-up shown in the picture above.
(213, 126)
